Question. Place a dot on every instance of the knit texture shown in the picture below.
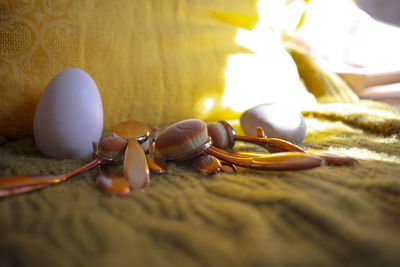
(327, 216)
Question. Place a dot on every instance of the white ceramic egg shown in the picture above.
(277, 120)
(69, 116)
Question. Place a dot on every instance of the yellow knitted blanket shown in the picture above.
(144, 57)
(327, 216)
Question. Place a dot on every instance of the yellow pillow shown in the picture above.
(154, 61)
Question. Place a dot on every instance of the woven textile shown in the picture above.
(327, 216)
(153, 61)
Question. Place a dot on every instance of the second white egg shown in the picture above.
(277, 120)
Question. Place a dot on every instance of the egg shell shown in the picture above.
(277, 121)
(69, 116)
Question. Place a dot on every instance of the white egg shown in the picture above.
(69, 116)
(277, 120)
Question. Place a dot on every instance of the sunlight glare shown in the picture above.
(267, 73)
(208, 104)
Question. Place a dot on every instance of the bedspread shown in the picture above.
(327, 216)
(166, 56)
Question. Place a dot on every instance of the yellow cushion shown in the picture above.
(154, 61)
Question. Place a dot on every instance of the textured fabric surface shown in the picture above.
(327, 216)
(140, 54)
(169, 57)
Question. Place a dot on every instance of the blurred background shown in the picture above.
(359, 40)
